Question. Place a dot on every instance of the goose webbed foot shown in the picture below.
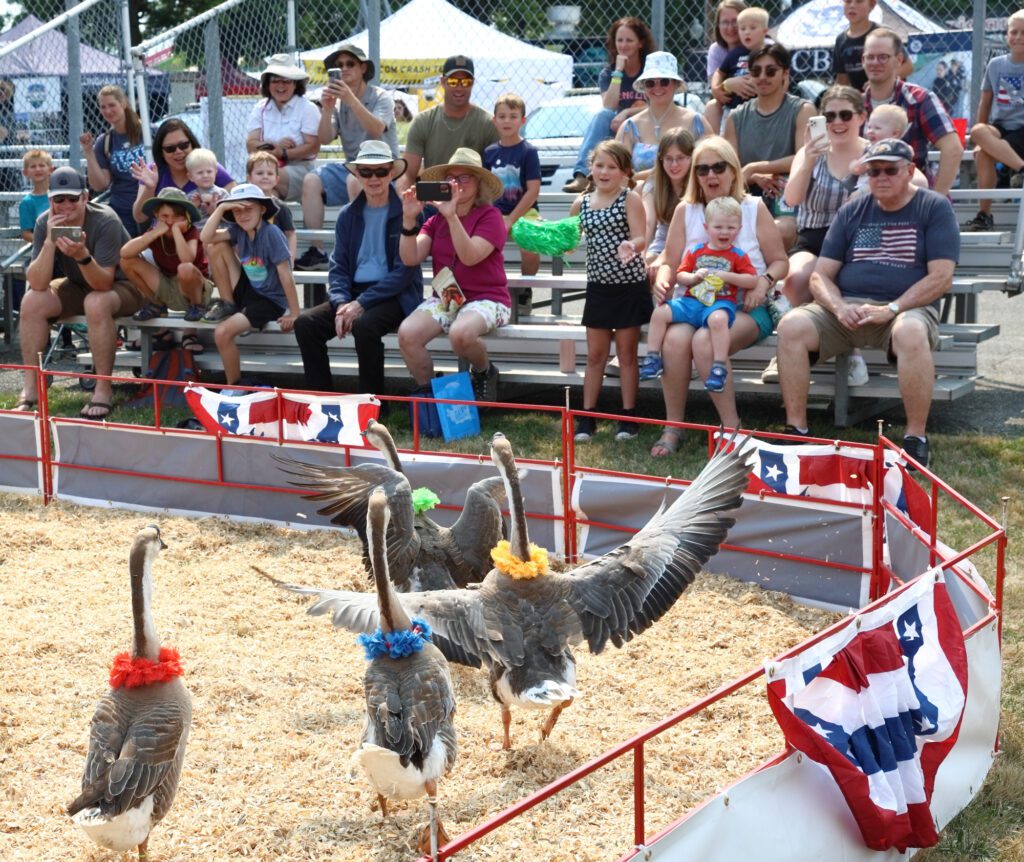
(549, 725)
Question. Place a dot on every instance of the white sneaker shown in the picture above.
(857, 371)
(771, 372)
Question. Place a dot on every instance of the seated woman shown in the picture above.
(285, 123)
(663, 193)
(629, 42)
(467, 236)
(715, 172)
(727, 36)
(659, 82)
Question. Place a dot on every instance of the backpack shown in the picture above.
(176, 364)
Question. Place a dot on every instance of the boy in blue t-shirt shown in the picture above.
(36, 167)
(516, 163)
(251, 265)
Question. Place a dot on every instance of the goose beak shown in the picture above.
(155, 535)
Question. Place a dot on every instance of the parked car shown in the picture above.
(556, 129)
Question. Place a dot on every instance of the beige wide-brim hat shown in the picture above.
(466, 159)
(282, 66)
(374, 153)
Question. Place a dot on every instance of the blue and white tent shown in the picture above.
(817, 23)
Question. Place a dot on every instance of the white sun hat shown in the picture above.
(659, 64)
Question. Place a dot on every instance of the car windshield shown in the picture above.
(559, 121)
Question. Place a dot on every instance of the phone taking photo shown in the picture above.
(334, 74)
(817, 126)
(70, 232)
(433, 191)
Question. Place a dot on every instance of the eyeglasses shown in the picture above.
(170, 148)
(876, 58)
(675, 160)
(459, 83)
(65, 199)
(832, 116)
(274, 80)
(659, 82)
(768, 71)
(718, 168)
(890, 171)
(347, 64)
(460, 180)
(366, 173)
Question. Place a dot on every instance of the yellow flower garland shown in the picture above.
(510, 565)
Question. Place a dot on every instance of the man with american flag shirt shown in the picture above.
(887, 259)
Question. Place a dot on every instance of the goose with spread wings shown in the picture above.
(522, 620)
(422, 555)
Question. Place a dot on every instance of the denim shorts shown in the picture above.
(334, 178)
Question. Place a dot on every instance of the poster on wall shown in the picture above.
(942, 64)
(33, 96)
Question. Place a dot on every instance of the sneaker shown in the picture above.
(576, 185)
(586, 427)
(981, 222)
(794, 432)
(651, 367)
(219, 310)
(857, 371)
(627, 430)
(916, 449)
(1017, 179)
(195, 312)
(150, 311)
(771, 371)
(485, 383)
(717, 376)
(312, 259)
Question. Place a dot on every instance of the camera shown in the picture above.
(433, 191)
(72, 233)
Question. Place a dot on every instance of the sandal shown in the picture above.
(25, 405)
(717, 376)
(103, 406)
(150, 311)
(192, 344)
(667, 444)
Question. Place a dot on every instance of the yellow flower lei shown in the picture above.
(509, 565)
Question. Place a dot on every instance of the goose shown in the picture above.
(139, 730)
(422, 555)
(408, 742)
(521, 621)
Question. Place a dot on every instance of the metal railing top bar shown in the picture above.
(139, 51)
(52, 24)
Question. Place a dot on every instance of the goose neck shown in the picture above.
(145, 641)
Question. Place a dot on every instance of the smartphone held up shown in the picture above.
(433, 191)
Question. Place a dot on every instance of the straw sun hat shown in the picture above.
(465, 159)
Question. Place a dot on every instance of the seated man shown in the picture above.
(83, 241)
(887, 259)
(370, 291)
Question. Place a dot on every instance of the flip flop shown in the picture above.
(96, 417)
(667, 444)
(192, 344)
(25, 405)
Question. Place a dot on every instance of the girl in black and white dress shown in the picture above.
(618, 299)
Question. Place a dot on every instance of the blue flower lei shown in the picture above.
(395, 644)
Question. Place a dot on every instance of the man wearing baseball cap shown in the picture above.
(439, 131)
(886, 261)
(83, 241)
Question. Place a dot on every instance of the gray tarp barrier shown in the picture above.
(19, 435)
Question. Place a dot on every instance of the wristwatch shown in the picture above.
(894, 307)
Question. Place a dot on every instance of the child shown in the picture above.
(732, 77)
(665, 191)
(262, 171)
(618, 298)
(999, 137)
(202, 170)
(885, 121)
(36, 167)
(177, 277)
(713, 273)
(253, 275)
(516, 163)
(847, 68)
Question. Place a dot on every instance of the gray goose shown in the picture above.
(422, 555)
(521, 625)
(408, 742)
(139, 730)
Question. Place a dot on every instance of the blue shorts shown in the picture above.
(334, 178)
(696, 313)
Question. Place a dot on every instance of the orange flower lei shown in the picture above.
(134, 672)
(507, 564)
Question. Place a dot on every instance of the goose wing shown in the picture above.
(129, 760)
(622, 593)
(345, 491)
(480, 526)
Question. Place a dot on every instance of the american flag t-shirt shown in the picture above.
(886, 244)
(1009, 91)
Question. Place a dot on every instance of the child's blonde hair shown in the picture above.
(200, 158)
(1016, 16)
(726, 207)
(753, 15)
(258, 157)
(894, 115)
(37, 156)
(511, 101)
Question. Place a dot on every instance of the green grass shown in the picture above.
(984, 468)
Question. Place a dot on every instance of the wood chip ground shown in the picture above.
(277, 699)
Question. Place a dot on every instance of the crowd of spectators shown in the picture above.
(836, 210)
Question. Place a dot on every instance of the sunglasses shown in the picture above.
(274, 80)
(718, 168)
(890, 171)
(459, 83)
(366, 173)
(65, 199)
(660, 82)
(767, 71)
(170, 148)
(832, 116)
(460, 180)
(347, 64)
